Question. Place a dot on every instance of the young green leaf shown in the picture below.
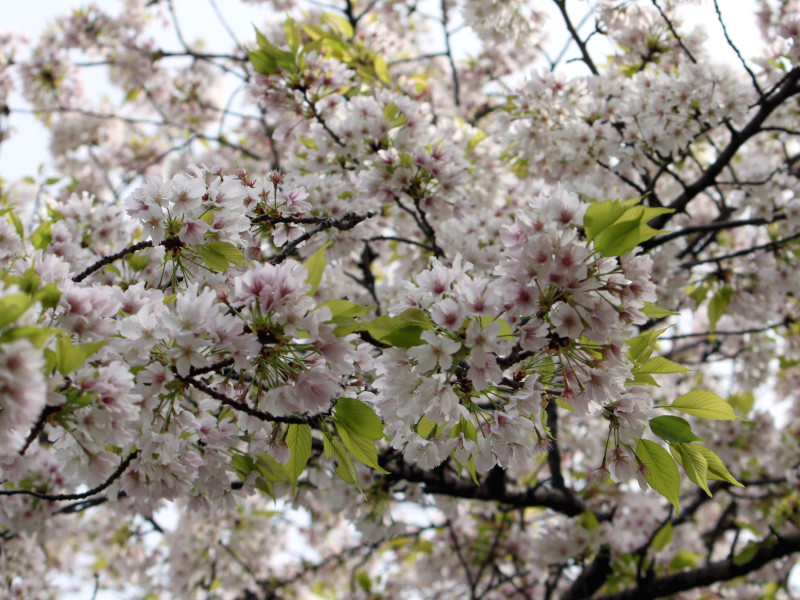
(706, 405)
(694, 463)
(718, 304)
(13, 306)
(662, 473)
(659, 365)
(716, 468)
(315, 265)
(298, 439)
(362, 448)
(359, 418)
(663, 537)
(673, 429)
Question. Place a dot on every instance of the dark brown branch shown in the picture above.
(674, 32)
(768, 246)
(769, 550)
(244, 407)
(343, 222)
(554, 455)
(449, 54)
(434, 482)
(736, 50)
(107, 260)
(709, 227)
(586, 57)
(95, 490)
(753, 127)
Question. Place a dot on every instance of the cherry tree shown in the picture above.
(343, 311)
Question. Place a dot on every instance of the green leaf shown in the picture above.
(705, 405)
(618, 239)
(642, 379)
(477, 139)
(390, 111)
(698, 292)
(661, 472)
(561, 403)
(627, 231)
(343, 311)
(716, 468)
(315, 265)
(315, 32)
(137, 262)
(652, 311)
(425, 427)
(218, 255)
(694, 463)
(264, 63)
(659, 365)
(673, 429)
(743, 402)
(345, 468)
(381, 69)
(69, 357)
(359, 418)
(41, 237)
(684, 559)
(362, 448)
(641, 347)
(718, 304)
(48, 295)
(339, 24)
(37, 335)
(600, 215)
(747, 554)
(293, 35)
(17, 223)
(308, 143)
(244, 465)
(13, 306)
(298, 439)
(402, 331)
(588, 520)
(663, 537)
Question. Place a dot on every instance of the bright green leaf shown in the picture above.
(600, 215)
(694, 463)
(13, 306)
(293, 36)
(716, 468)
(673, 429)
(341, 25)
(298, 439)
(382, 69)
(37, 335)
(362, 448)
(652, 311)
(315, 265)
(663, 537)
(659, 365)
(69, 357)
(705, 405)
(684, 559)
(661, 472)
(41, 237)
(718, 304)
(359, 418)
(747, 554)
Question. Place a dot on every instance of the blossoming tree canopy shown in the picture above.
(338, 313)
